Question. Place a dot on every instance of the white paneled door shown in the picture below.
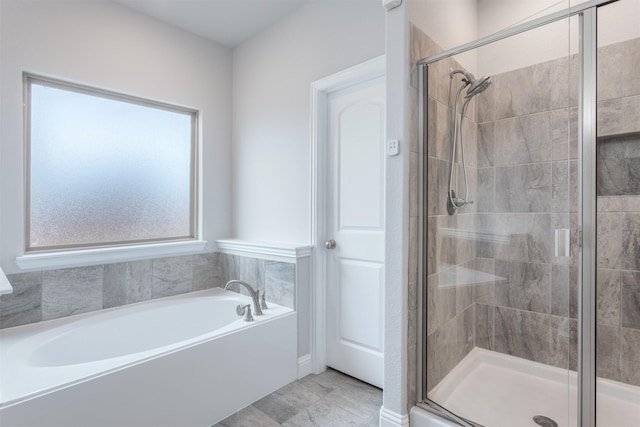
(355, 230)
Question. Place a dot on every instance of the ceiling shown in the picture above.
(227, 22)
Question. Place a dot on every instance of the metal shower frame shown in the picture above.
(587, 104)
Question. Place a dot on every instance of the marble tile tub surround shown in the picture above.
(275, 277)
(52, 294)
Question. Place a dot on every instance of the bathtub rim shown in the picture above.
(108, 366)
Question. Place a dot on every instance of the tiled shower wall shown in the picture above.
(531, 310)
(521, 299)
(450, 254)
(523, 175)
(46, 295)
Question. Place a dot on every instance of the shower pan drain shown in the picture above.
(543, 421)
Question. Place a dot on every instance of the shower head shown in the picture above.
(478, 86)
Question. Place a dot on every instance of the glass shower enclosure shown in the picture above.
(530, 222)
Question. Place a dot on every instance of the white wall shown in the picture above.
(540, 45)
(396, 347)
(617, 22)
(272, 80)
(449, 23)
(106, 45)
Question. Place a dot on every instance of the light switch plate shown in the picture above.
(393, 147)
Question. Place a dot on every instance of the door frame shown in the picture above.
(320, 91)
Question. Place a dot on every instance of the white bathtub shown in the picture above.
(187, 360)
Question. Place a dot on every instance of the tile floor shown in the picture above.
(330, 399)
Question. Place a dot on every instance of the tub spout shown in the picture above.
(257, 311)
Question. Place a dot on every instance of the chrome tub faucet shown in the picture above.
(257, 311)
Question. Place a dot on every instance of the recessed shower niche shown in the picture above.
(619, 165)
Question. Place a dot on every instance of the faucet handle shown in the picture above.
(244, 310)
(263, 300)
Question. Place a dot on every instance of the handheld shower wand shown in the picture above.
(476, 86)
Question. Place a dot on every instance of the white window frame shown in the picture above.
(108, 252)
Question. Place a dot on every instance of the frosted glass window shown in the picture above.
(106, 169)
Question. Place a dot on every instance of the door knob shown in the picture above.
(330, 244)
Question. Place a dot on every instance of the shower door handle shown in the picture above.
(562, 242)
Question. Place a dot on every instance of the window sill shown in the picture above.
(96, 256)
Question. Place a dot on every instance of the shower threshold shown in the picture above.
(498, 390)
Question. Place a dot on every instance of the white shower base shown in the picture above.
(498, 390)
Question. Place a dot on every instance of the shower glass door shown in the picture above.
(500, 224)
(618, 215)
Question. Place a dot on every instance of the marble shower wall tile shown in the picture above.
(630, 67)
(630, 309)
(526, 286)
(564, 291)
(564, 343)
(564, 133)
(523, 334)
(484, 289)
(564, 187)
(610, 71)
(485, 201)
(71, 291)
(630, 258)
(487, 104)
(443, 171)
(486, 151)
(523, 237)
(523, 139)
(483, 327)
(630, 203)
(24, 305)
(540, 87)
(608, 352)
(447, 346)
(618, 116)
(609, 204)
(430, 205)
(609, 236)
(439, 130)
(463, 244)
(630, 356)
(608, 297)
(523, 188)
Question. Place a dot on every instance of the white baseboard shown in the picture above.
(305, 367)
(392, 419)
